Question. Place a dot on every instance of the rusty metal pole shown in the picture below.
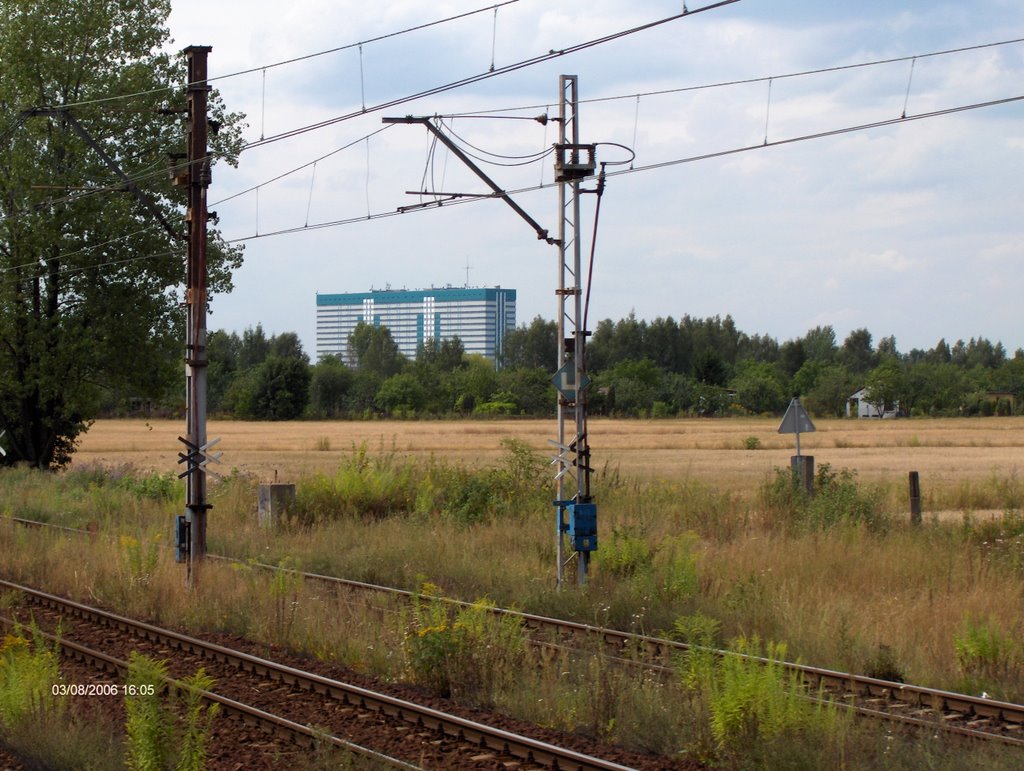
(195, 301)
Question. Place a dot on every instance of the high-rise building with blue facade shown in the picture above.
(479, 317)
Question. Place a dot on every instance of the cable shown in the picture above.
(361, 43)
(532, 156)
(263, 67)
(649, 167)
(438, 89)
(485, 75)
(742, 82)
(302, 167)
(822, 135)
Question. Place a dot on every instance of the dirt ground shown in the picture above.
(945, 452)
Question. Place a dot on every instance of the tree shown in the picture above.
(222, 350)
(532, 346)
(832, 388)
(279, 389)
(400, 393)
(329, 386)
(442, 355)
(254, 348)
(820, 344)
(758, 388)
(857, 354)
(374, 350)
(88, 298)
(885, 386)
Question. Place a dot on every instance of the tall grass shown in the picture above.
(843, 580)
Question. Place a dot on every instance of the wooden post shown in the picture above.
(915, 498)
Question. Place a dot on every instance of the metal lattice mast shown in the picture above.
(573, 162)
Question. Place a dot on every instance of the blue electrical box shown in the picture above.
(582, 526)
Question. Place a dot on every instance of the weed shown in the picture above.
(285, 584)
(987, 656)
(139, 561)
(156, 734)
(28, 670)
(471, 653)
(752, 443)
(837, 499)
(198, 722)
(149, 724)
(884, 665)
(757, 708)
(625, 553)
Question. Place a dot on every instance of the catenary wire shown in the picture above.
(728, 83)
(443, 88)
(304, 57)
(542, 186)
(653, 166)
(522, 64)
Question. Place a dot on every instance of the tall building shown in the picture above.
(479, 317)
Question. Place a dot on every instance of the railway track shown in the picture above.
(287, 701)
(960, 714)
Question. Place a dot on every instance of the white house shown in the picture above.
(858, 405)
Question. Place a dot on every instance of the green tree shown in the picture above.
(373, 350)
(222, 350)
(759, 389)
(531, 389)
(278, 389)
(857, 354)
(87, 298)
(443, 355)
(884, 386)
(830, 391)
(820, 344)
(400, 393)
(474, 384)
(254, 348)
(329, 386)
(532, 346)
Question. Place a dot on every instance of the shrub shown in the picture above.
(988, 657)
(756, 709)
(625, 553)
(837, 499)
(470, 653)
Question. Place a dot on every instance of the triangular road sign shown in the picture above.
(796, 420)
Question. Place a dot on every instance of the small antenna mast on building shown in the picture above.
(467, 273)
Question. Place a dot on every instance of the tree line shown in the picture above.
(661, 368)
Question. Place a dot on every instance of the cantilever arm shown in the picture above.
(542, 233)
(134, 189)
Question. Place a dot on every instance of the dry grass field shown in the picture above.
(946, 452)
(700, 539)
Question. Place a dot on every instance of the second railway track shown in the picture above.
(383, 725)
(935, 709)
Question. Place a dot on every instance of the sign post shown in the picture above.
(795, 421)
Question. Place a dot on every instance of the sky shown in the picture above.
(913, 229)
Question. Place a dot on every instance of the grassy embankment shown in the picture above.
(842, 581)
